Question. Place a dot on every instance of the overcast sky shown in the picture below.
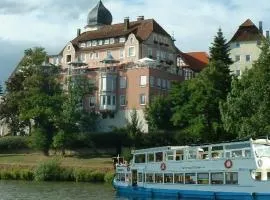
(52, 23)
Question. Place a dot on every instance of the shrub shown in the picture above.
(27, 175)
(48, 171)
(13, 143)
(108, 178)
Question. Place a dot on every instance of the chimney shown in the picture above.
(267, 35)
(140, 18)
(126, 22)
(260, 27)
(78, 32)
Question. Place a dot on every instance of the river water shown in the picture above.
(26, 190)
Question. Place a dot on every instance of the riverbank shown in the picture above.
(55, 168)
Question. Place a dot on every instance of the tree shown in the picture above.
(1, 90)
(158, 114)
(246, 111)
(196, 102)
(134, 128)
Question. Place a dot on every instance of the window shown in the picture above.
(159, 156)
(131, 51)
(107, 41)
(169, 155)
(109, 100)
(68, 58)
(164, 84)
(247, 58)
(122, 100)
(131, 40)
(100, 42)
(190, 178)
(151, 157)
(89, 44)
(140, 158)
(103, 100)
(82, 57)
(159, 82)
(231, 178)
(122, 53)
(111, 40)
(113, 100)
(237, 153)
(150, 52)
(179, 178)
(140, 177)
(217, 178)
(152, 81)
(109, 53)
(92, 101)
(91, 55)
(82, 45)
(149, 178)
(158, 178)
(158, 55)
(168, 178)
(143, 80)
(203, 178)
(68, 47)
(168, 84)
(237, 58)
(122, 39)
(237, 45)
(94, 43)
(123, 82)
(142, 99)
(96, 55)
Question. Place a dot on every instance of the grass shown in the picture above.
(32, 160)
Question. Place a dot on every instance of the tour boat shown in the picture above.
(224, 171)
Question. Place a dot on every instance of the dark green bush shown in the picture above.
(108, 178)
(13, 143)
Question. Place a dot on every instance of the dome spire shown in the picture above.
(98, 16)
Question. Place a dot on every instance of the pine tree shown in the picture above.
(220, 50)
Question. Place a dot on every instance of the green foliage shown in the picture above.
(1, 90)
(134, 128)
(246, 112)
(40, 140)
(16, 174)
(13, 143)
(109, 176)
(48, 171)
(220, 49)
(158, 114)
(85, 175)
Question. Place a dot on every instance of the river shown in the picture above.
(26, 190)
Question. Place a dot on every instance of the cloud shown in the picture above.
(52, 24)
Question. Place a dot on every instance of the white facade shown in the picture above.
(243, 54)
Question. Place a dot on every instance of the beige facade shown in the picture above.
(142, 65)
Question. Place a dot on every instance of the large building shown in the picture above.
(129, 63)
(245, 46)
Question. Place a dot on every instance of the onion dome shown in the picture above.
(99, 15)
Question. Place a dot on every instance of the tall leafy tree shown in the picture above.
(246, 112)
(196, 102)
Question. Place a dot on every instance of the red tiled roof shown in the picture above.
(247, 31)
(142, 29)
(196, 61)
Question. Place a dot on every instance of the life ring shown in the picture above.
(162, 166)
(228, 164)
(260, 163)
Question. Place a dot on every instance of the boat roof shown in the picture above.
(157, 149)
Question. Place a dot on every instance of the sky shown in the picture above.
(53, 23)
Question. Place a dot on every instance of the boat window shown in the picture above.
(268, 176)
(140, 158)
(192, 154)
(231, 178)
(237, 153)
(170, 155)
(159, 157)
(217, 178)
(203, 178)
(258, 176)
(179, 178)
(262, 150)
(151, 157)
(190, 178)
(247, 153)
(149, 178)
(217, 148)
(140, 177)
(205, 153)
(216, 155)
(168, 178)
(227, 154)
(237, 146)
(158, 178)
(120, 177)
(179, 155)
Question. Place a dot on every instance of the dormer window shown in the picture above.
(111, 40)
(131, 40)
(237, 45)
(122, 39)
(94, 43)
(100, 42)
(68, 47)
(89, 44)
(82, 45)
(107, 41)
